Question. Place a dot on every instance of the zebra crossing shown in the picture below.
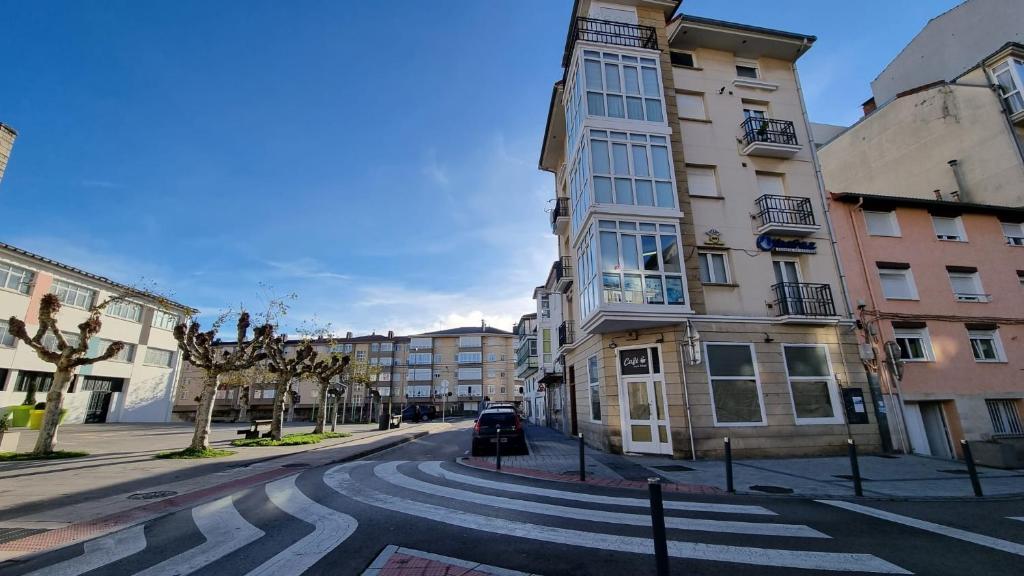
(330, 502)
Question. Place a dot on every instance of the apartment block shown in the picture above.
(534, 399)
(7, 136)
(940, 286)
(699, 292)
(137, 385)
(464, 367)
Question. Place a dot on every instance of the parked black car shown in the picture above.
(485, 432)
(419, 413)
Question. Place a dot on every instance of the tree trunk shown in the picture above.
(51, 418)
(321, 413)
(243, 403)
(204, 414)
(277, 422)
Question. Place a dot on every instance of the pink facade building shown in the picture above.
(940, 290)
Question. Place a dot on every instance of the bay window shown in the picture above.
(1008, 75)
(631, 169)
(640, 263)
(622, 86)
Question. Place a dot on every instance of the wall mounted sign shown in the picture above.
(856, 407)
(633, 362)
(713, 238)
(768, 243)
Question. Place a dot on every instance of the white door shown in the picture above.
(915, 430)
(936, 430)
(787, 275)
(646, 415)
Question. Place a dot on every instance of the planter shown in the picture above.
(19, 415)
(35, 419)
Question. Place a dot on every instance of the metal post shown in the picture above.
(334, 413)
(855, 467)
(583, 463)
(969, 459)
(728, 467)
(497, 450)
(658, 524)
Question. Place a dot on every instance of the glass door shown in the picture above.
(787, 277)
(646, 416)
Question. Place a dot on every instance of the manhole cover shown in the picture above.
(850, 477)
(152, 495)
(673, 468)
(295, 465)
(772, 489)
(956, 471)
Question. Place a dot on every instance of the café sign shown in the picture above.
(633, 362)
(769, 243)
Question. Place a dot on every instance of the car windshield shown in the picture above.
(498, 419)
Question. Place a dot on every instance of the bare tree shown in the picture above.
(285, 369)
(323, 370)
(66, 356)
(205, 351)
(244, 381)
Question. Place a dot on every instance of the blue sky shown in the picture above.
(378, 159)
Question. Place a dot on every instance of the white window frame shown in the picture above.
(833, 388)
(125, 356)
(893, 222)
(614, 140)
(757, 382)
(693, 56)
(77, 290)
(620, 60)
(470, 374)
(661, 230)
(168, 364)
(907, 274)
(1013, 67)
(165, 320)
(594, 369)
(27, 278)
(695, 168)
(747, 63)
(978, 295)
(7, 340)
(1005, 413)
(470, 342)
(699, 98)
(957, 222)
(997, 345)
(1014, 233)
(119, 309)
(360, 355)
(916, 334)
(705, 257)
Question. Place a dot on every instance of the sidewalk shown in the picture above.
(556, 456)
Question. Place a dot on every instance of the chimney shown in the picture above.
(868, 106)
(963, 195)
(955, 195)
(938, 194)
(391, 334)
(483, 325)
(348, 335)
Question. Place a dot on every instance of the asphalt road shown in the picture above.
(337, 519)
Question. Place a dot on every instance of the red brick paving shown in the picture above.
(404, 565)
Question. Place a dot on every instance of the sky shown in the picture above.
(377, 159)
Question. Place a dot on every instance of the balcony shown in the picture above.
(771, 138)
(563, 274)
(526, 366)
(800, 300)
(609, 32)
(560, 216)
(785, 215)
(566, 334)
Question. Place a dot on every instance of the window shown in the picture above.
(915, 345)
(747, 69)
(770, 184)
(386, 361)
(1005, 418)
(897, 283)
(7, 339)
(614, 14)
(41, 380)
(374, 361)
(811, 384)
(420, 343)
(73, 294)
(375, 347)
(881, 223)
(420, 358)
(686, 59)
(437, 358)
(631, 169)
(546, 345)
(949, 228)
(470, 374)
(502, 390)
(361, 355)
(469, 342)
(468, 357)
(492, 373)
(50, 341)
(165, 320)
(713, 267)
(384, 377)
(621, 86)
(594, 379)
(1020, 277)
(419, 374)
(490, 388)
(986, 346)
(691, 106)
(966, 285)
(386, 346)
(1014, 233)
(702, 180)
(735, 387)
(125, 310)
(492, 357)
(640, 263)
(158, 357)
(127, 354)
(1008, 76)
(15, 278)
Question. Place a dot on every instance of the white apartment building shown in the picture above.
(137, 385)
(700, 293)
(534, 400)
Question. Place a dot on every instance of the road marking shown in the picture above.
(339, 480)
(225, 531)
(1017, 518)
(435, 469)
(389, 473)
(331, 529)
(979, 539)
(99, 552)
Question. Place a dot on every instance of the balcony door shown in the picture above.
(645, 421)
(787, 276)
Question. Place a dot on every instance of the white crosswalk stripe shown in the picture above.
(389, 473)
(435, 469)
(339, 479)
(99, 552)
(225, 531)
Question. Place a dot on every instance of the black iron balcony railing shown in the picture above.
(785, 210)
(559, 210)
(563, 269)
(566, 333)
(803, 299)
(609, 32)
(768, 131)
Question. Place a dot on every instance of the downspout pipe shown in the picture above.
(686, 399)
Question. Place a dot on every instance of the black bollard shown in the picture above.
(497, 450)
(855, 467)
(728, 467)
(658, 523)
(583, 462)
(969, 459)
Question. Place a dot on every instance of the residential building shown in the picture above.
(701, 296)
(550, 378)
(534, 400)
(7, 136)
(137, 385)
(940, 288)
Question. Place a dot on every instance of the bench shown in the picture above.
(253, 431)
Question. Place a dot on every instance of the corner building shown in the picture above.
(701, 295)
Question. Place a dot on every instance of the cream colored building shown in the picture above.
(7, 136)
(137, 385)
(701, 295)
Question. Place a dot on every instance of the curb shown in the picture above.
(56, 539)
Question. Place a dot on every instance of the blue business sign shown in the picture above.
(772, 244)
